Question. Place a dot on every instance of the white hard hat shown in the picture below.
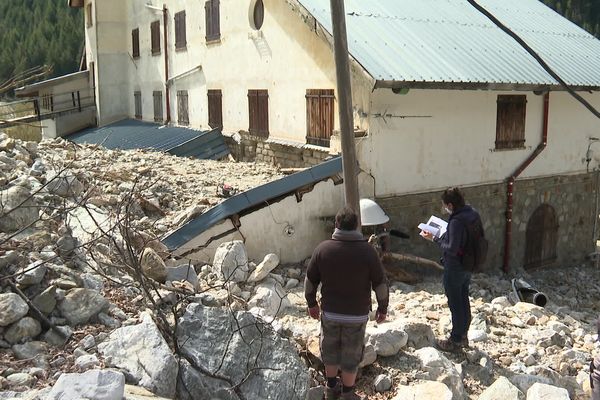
(371, 213)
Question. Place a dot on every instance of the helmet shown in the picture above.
(371, 213)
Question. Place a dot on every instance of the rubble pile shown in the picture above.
(93, 306)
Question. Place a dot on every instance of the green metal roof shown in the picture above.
(448, 43)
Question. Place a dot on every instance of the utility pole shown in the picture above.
(344, 91)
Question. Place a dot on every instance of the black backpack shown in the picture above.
(475, 250)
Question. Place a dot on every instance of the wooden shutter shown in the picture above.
(135, 41)
(137, 96)
(213, 24)
(158, 109)
(182, 107)
(258, 109)
(215, 109)
(155, 37)
(510, 121)
(180, 30)
(319, 116)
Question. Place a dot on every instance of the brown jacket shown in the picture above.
(347, 270)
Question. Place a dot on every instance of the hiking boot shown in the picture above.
(332, 393)
(465, 342)
(449, 345)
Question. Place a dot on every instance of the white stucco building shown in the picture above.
(441, 96)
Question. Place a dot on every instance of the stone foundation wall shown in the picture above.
(280, 153)
(572, 197)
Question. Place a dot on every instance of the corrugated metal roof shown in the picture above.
(133, 134)
(252, 198)
(450, 42)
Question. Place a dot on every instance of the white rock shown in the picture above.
(525, 381)
(231, 261)
(12, 308)
(20, 379)
(25, 328)
(369, 356)
(476, 335)
(558, 327)
(292, 283)
(268, 264)
(425, 390)
(502, 302)
(386, 342)
(94, 385)
(34, 274)
(17, 208)
(501, 389)
(86, 362)
(540, 391)
(183, 272)
(271, 297)
(79, 305)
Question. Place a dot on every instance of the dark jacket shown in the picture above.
(453, 241)
(348, 270)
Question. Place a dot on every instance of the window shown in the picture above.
(180, 35)
(48, 102)
(155, 37)
(88, 15)
(137, 97)
(158, 108)
(215, 109)
(183, 117)
(213, 26)
(510, 122)
(319, 116)
(258, 107)
(135, 42)
(258, 14)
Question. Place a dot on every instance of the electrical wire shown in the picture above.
(535, 55)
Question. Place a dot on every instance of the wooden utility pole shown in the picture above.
(344, 91)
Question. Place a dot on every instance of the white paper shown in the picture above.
(436, 226)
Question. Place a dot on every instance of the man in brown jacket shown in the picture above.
(347, 268)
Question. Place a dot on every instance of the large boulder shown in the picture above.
(144, 354)
(540, 391)
(271, 298)
(25, 328)
(231, 261)
(79, 305)
(17, 209)
(419, 333)
(440, 369)
(244, 350)
(32, 274)
(93, 385)
(12, 308)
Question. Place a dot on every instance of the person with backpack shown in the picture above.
(464, 249)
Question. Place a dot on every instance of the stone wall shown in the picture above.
(284, 154)
(572, 197)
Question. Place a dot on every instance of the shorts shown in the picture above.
(342, 344)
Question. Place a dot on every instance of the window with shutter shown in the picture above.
(215, 109)
(213, 25)
(135, 42)
(158, 106)
(183, 117)
(510, 122)
(258, 111)
(180, 33)
(319, 116)
(137, 96)
(155, 37)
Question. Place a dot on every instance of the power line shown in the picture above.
(535, 55)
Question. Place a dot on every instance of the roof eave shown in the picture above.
(495, 86)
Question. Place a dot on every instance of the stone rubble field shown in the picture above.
(93, 306)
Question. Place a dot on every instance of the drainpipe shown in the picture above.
(167, 93)
(511, 183)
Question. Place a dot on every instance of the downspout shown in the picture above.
(167, 93)
(511, 183)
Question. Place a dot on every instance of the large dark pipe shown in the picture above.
(165, 34)
(523, 291)
(511, 183)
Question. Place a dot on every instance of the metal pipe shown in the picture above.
(511, 183)
(342, 68)
(167, 93)
(523, 291)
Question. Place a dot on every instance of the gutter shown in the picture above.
(183, 74)
(167, 93)
(511, 183)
